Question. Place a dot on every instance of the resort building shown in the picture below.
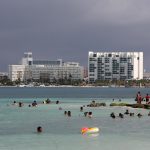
(115, 66)
(45, 70)
(146, 75)
(3, 75)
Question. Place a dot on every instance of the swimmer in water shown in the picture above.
(39, 129)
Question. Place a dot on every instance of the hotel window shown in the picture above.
(109, 55)
(94, 55)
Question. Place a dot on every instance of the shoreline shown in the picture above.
(65, 86)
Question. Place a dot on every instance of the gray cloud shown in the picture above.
(69, 29)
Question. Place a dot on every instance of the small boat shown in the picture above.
(89, 130)
(41, 85)
(22, 85)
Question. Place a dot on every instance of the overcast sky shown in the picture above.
(68, 29)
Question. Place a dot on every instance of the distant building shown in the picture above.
(146, 75)
(115, 66)
(3, 75)
(85, 72)
(31, 69)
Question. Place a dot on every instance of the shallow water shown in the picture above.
(18, 125)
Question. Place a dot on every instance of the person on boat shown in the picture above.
(147, 98)
(139, 98)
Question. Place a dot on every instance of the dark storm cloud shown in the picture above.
(68, 29)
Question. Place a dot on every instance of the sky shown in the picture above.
(69, 29)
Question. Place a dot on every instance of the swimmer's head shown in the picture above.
(39, 129)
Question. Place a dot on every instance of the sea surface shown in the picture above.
(18, 124)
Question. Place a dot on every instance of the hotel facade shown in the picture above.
(30, 69)
(115, 66)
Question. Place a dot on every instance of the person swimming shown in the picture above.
(69, 113)
(81, 109)
(90, 114)
(39, 129)
(57, 102)
(121, 115)
(139, 115)
(20, 104)
(65, 113)
(112, 115)
(126, 112)
(85, 114)
(34, 103)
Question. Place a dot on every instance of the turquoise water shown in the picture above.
(18, 125)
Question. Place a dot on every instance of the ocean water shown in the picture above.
(18, 125)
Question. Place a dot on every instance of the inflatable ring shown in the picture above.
(85, 130)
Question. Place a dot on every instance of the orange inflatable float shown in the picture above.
(85, 130)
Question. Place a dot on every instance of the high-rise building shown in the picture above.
(31, 69)
(115, 66)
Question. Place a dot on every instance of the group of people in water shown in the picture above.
(86, 114)
(34, 103)
(139, 99)
(67, 113)
(121, 115)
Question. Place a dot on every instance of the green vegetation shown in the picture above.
(70, 81)
(125, 83)
(96, 104)
(8, 82)
(118, 104)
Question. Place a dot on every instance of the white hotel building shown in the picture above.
(115, 66)
(45, 69)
